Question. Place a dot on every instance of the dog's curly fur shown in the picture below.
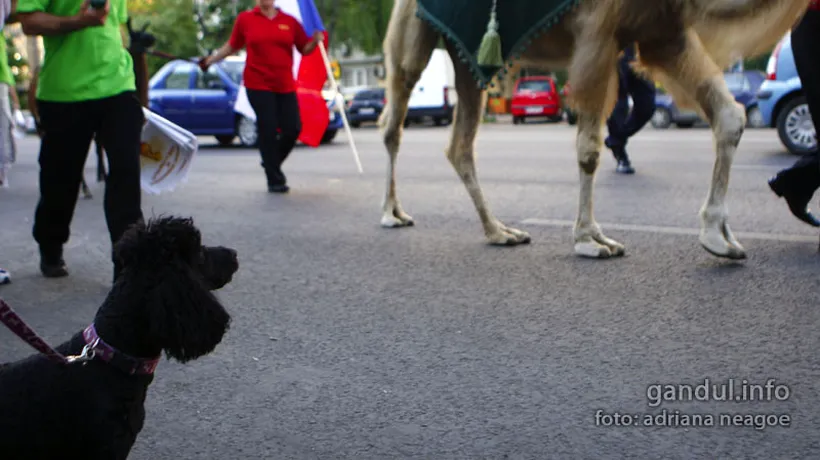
(162, 301)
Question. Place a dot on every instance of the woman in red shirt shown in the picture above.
(799, 183)
(269, 35)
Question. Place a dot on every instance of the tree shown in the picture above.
(215, 19)
(355, 23)
(17, 63)
(173, 24)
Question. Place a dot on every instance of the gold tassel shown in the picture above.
(489, 52)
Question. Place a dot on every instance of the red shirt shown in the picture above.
(269, 43)
(814, 5)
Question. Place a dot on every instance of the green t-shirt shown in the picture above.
(89, 63)
(5, 71)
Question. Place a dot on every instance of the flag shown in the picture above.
(308, 71)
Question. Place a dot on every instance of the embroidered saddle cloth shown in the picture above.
(464, 22)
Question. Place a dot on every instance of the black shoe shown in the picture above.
(797, 198)
(278, 188)
(624, 167)
(52, 264)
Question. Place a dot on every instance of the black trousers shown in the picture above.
(622, 123)
(68, 128)
(805, 37)
(278, 125)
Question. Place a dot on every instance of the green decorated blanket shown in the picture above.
(465, 22)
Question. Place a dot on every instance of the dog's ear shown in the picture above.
(185, 318)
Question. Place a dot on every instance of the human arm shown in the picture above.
(235, 43)
(38, 22)
(304, 44)
(223, 52)
(15, 99)
(12, 18)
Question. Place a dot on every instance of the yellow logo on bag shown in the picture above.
(147, 150)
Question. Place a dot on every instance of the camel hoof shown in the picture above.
(392, 221)
(508, 236)
(716, 244)
(592, 250)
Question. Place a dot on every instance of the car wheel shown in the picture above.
(330, 134)
(661, 119)
(754, 118)
(795, 127)
(571, 118)
(355, 124)
(246, 130)
(685, 124)
(225, 140)
(516, 120)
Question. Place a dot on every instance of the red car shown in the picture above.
(535, 97)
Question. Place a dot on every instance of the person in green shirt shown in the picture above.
(8, 101)
(86, 87)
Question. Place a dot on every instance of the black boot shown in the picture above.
(619, 152)
(797, 185)
(52, 264)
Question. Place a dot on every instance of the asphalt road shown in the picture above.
(351, 341)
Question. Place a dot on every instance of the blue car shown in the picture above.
(783, 104)
(743, 86)
(203, 102)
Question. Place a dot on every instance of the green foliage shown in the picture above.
(356, 23)
(16, 60)
(215, 21)
(172, 22)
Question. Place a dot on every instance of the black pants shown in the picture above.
(68, 128)
(622, 123)
(278, 125)
(805, 38)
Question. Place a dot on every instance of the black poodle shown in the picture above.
(162, 301)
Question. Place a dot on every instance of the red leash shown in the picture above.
(21, 329)
(94, 347)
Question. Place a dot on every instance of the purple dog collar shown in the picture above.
(116, 358)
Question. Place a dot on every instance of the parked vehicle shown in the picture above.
(203, 102)
(366, 106)
(783, 103)
(434, 95)
(535, 96)
(743, 86)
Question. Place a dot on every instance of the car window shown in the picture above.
(234, 70)
(535, 85)
(180, 76)
(369, 95)
(208, 80)
(737, 82)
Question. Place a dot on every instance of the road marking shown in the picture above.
(675, 230)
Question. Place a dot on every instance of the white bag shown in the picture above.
(166, 154)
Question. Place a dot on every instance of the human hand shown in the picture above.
(92, 17)
(205, 62)
(318, 36)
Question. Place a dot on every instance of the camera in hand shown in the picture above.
(97, 4)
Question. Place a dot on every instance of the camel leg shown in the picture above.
(461, 154)
(594, 85)
(408, 45)
(695, 74)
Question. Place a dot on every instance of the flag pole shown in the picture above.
(341, 106)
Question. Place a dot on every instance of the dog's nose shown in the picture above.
(234, 255)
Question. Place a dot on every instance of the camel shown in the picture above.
(683, 44)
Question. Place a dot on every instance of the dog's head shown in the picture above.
(164, 263)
